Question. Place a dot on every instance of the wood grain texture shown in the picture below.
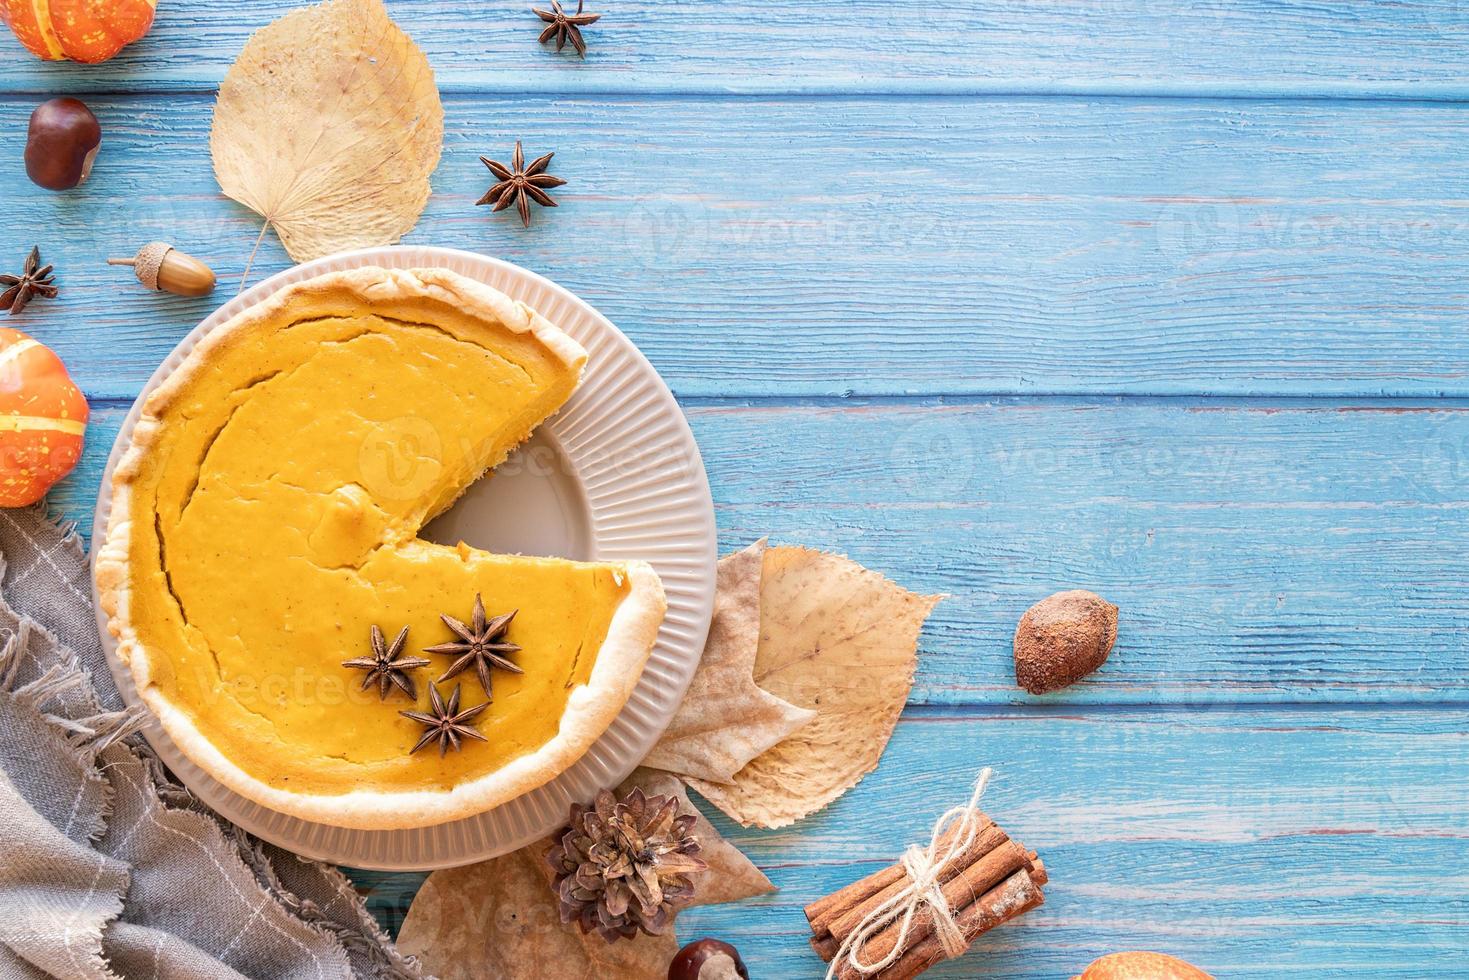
(1299, 550)
(1408, 48)
(873, 246)
(1164, 299)
(1253, 842)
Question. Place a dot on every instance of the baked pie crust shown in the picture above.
(265, 517)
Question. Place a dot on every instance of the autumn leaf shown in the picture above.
(731, 876)
(839, 640)
(328, 125)
(725, 719)
(499, 920)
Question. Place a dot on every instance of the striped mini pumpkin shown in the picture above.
(42, 419)
(81, 30)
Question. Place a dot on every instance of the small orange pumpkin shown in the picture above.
(43, 417)
(77, 30)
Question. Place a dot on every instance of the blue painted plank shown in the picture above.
(873, 246)
(1255, 843)
(1259, 553)
(1358, 48)
(919, 229)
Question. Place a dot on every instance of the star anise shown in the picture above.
(481, 645)
(565, 27)
(447, 724)
(387, 666)
(34, 281)
(519, 184)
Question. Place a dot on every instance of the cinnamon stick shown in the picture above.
(847, 897)
(1038, 869)
(822, 912)
(1017, 894)
(968, 886)
(986, 842)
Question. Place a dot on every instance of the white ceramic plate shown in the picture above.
(615, 475)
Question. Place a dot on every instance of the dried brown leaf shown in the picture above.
(329, 125)
(731, 876)
(838, 639)
(726, 719)
(498, 920)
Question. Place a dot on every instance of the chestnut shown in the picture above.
(61, 144)
(708, 959)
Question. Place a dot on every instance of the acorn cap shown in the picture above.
(148, 261)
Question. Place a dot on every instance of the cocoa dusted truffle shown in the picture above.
(1063, 638)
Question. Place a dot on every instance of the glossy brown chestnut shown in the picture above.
(708, 959)
(62, 142)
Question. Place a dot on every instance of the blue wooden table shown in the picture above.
(1162, 298)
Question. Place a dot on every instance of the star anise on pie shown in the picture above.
(519, 184)
(387, 666)
(565, 27)
(34, 281)
(446, 724)
(481, 645)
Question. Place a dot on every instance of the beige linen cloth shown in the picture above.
(110, 869)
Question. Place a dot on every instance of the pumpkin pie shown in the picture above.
(265, 519)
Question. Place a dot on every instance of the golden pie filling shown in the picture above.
(272, 500)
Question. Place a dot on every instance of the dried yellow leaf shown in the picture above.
(329, 125)
(725, 719)
(499, 920)
(838, 639)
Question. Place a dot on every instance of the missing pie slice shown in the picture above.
(265, 518)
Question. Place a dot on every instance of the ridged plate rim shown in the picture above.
(663, 514)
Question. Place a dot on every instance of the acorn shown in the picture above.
(160, 266)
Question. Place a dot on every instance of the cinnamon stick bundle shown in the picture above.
(991, 881)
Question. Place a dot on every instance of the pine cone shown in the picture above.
(622, 868)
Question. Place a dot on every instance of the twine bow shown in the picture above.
(924, 867)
